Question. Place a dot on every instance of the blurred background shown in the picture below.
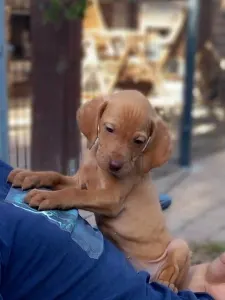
(53, 65)
(61, 53)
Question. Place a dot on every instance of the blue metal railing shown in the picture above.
(4, 147)
(186, 118)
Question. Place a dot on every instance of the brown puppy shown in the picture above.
(126, 139)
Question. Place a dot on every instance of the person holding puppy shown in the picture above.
(58, 255)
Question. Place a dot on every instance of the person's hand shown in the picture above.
(215, 278)
(209, 278)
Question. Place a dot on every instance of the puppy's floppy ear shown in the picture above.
(88, 116)
(159, 148)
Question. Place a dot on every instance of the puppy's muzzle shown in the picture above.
(115, 166)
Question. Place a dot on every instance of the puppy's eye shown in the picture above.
(139, 141)
(109, 128)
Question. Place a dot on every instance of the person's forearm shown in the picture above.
(188, 295)
(194, 280)
(143, 290)
(159, 292)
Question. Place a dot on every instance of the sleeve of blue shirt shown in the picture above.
(41, 261)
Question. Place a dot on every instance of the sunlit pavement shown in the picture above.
(198, 209)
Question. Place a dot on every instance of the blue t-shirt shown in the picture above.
(58, 255)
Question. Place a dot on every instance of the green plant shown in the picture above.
(206, 251)
(55, 11)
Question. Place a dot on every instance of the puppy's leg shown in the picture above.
(28, 179)
(175, 268)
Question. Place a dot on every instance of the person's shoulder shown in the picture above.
(13, 215)
(22, 224)
(10, 214)
(55, 227)
(23, 233)
(66, 224)
(11, 219)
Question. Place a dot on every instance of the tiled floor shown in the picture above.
(198, 210)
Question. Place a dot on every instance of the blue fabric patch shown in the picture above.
(89, 239)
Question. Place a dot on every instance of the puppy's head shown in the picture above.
(129, 133)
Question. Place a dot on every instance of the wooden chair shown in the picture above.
(104, 57)
(109, 68)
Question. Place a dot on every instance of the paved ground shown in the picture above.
(198, 210)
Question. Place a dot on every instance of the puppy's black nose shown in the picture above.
(115, 165)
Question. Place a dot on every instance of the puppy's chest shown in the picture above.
(88, 178)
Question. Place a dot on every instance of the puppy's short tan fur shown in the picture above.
(126, 139)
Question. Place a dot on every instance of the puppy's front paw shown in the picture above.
(43, 200)
(13, 174)
(24, 179)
